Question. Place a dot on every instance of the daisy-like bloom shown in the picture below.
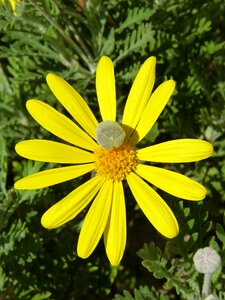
(13, 5)
(109, 151)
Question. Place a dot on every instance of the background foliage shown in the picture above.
(68, 38)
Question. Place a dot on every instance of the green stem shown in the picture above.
(206, 285)
(75, 33)
(62, 32)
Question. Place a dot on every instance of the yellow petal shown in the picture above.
(13, 4)
(153, 109)
(177, 151)
(172, 182)
(59, 125)
(73, 103)
(139, 95)
(49, 151)
(105, 87)
(53, 176)
(95, 221)
(153, 206)
(70, 206)
(116, 232)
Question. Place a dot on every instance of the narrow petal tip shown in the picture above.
(18, 186)
(30, 104)
(82, 253)
(45, 222)
(53, 79)
(173, 232)
(201, 193)
(149, 64)
(114, 261)
(51, 76)
(206, 148)
(104, 58)
(151, 59)
(171, 83)
(210, 148)
(18, 147)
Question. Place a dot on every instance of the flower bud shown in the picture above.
(206, 260)
(109, 135)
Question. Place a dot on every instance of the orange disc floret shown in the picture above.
(115, 164)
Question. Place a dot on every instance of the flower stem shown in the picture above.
(206, 285)
(62, 32)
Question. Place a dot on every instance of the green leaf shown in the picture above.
(136, 41)
(3, 165)
(143, 293)
(135, 16)
(153, 260)
(41, 296)
(220, 232)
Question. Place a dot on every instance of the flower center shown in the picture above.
(116, 163)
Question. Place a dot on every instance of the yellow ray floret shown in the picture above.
(73, 103)
(53, 176)
(70, 206)
(59, 125)
(153, 109)
(116, 226)
(176, 151)
(139, 95)
(171, 182)
(106, 89)
(49, 151)
(95, 220)
(153, 206)
(13, 4)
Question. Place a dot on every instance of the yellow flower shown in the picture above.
(109, 150)
(13, 5)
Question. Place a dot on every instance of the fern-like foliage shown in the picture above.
(143, 293)
(178, 275)
(136, 41)
(135, 16)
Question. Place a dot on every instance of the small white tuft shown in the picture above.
(109, 135)
(206, 260)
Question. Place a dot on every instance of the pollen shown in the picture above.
(115, 164)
